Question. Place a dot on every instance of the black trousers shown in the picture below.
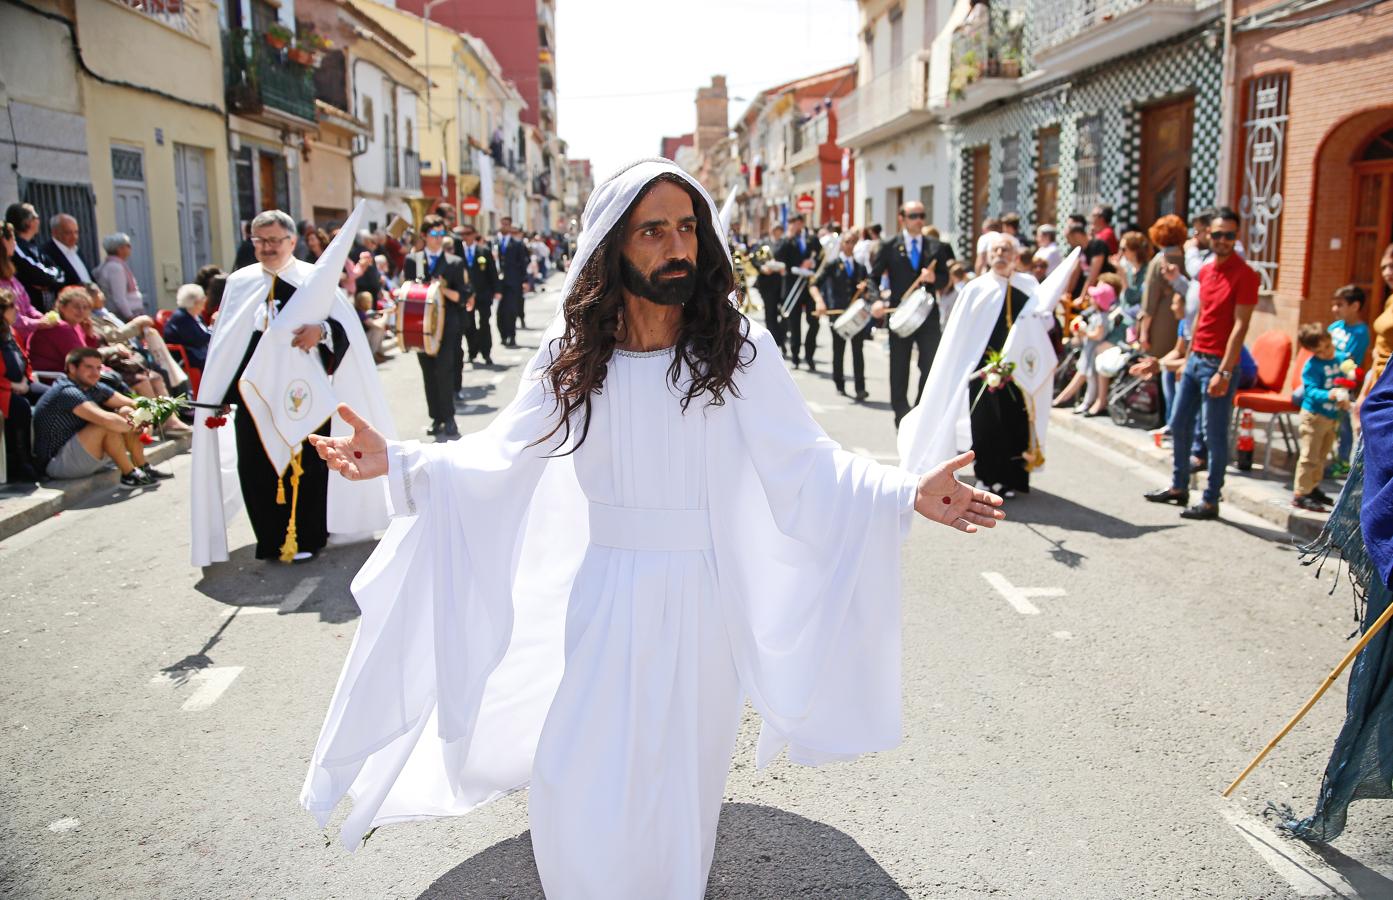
(796, 338)
(258, 479)
(438, 372)
(479, 341)
(770, 297)
(858, 360)
(901, 348)
(19, 445)
(1000, 437)
(509, 310)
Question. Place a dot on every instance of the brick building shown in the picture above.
(1312, 152)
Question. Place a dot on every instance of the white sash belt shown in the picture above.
(632, 528)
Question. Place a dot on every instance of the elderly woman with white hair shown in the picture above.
(115, 278)
(186, 327)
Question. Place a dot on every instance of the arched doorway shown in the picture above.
(1371, 217)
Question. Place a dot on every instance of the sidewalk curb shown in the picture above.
(19, 511)
(1266, 499)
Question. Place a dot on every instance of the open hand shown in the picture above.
(944, 499)
(361, 456)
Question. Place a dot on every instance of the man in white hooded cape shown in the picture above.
(646, 563)
(254, 298)
(1009, 313)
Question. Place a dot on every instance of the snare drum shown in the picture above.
(911, 313)
(420, 316)
(852, 322)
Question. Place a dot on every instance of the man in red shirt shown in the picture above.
(1228, 294)
(1100, 227)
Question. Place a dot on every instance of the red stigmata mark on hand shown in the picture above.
(947, 501)
(357, 454)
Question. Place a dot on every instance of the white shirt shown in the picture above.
(75, 261)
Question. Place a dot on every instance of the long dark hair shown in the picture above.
(710, 339)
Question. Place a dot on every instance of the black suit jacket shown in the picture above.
(40, 277)
(789, 254)
(450, 269)
(483, 274)
(894, 260)
(513, 261)
(55, 256)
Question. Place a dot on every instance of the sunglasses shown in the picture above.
(914, 215)
(1223, 235)
(436, 233)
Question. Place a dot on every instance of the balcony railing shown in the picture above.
(1055, 21)
(987, 47)
(177, 14)
(891, 96)
(257, 77)
(807, 137)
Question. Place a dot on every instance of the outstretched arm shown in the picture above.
(944, 499)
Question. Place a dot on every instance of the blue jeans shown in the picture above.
(1168, 394)
(1192, 397)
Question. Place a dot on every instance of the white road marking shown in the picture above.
(1064, 635)
(1019, 597)
(209, 684)
(816, 408)
(63, 825)
(497, 379)
(1307, 873)
(289, 604)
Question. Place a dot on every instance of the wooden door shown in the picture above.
(191, 195)
(1371, 229)
(981, 183)
(1167, 133)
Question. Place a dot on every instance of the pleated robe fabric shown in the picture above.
(506, 641)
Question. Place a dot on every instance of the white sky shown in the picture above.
(627, 71)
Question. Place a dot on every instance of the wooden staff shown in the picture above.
(1325, 685)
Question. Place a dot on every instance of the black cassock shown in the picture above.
(1000, 423)
(269, 518)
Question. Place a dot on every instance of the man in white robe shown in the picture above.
(656, 550)
(230, 464)
(1008, 312)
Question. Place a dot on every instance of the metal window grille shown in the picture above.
(1264, 144)
(1087, 159)
(1010, 174)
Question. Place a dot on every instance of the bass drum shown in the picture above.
(852, 322)
(420, 316)
(911, 313)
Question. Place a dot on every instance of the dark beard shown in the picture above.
(663, 291)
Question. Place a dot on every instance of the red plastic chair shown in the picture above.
(182, 356)
(1272, 395)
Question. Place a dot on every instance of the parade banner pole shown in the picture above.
(1325, 685)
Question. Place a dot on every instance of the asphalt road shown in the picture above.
(158, 719)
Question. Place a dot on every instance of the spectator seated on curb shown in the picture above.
(374, 325)
(124, 350)
(80, 422)
(49, 347)
(18, 394)
(185, 327)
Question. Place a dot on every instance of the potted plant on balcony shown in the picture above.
(313, 46)
(1010, 62)
(278, 36)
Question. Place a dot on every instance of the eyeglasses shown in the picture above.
(270, 242)
(436, 233)
(1223, 235)
(915, 215)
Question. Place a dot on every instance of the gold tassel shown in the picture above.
(280, 490)
(291, 546)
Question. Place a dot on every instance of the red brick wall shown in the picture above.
(1341, 94)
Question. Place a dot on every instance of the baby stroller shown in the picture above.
(1133, 400)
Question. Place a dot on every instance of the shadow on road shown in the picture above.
(761, 852)
(319, 586)
(1042, 508)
